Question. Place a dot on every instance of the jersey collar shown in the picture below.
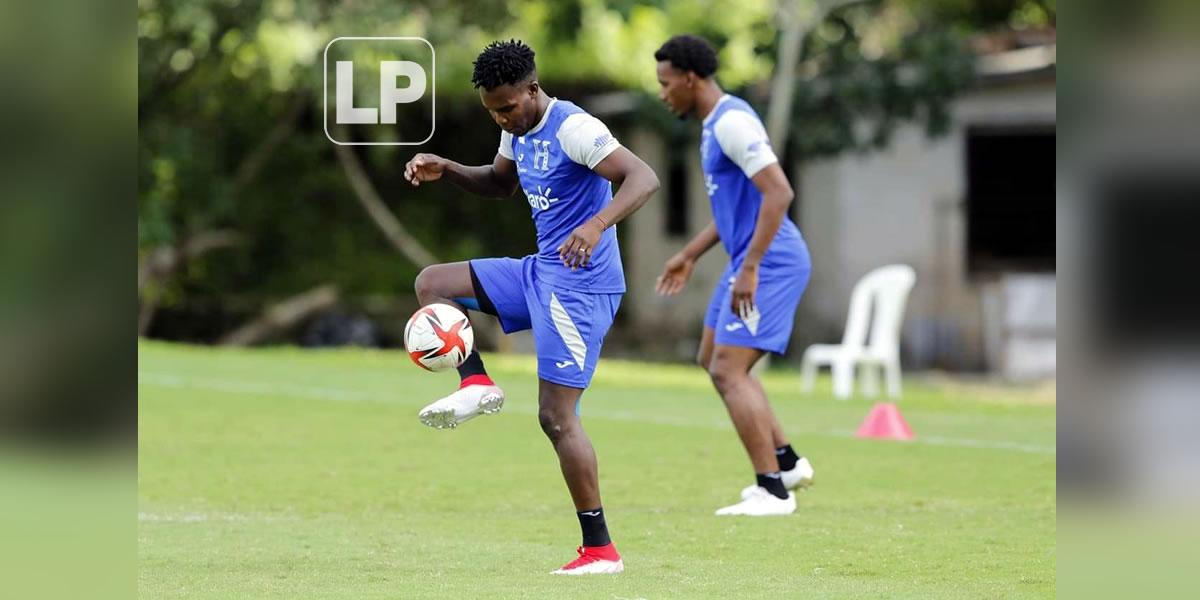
(545, 117)
(712, 113)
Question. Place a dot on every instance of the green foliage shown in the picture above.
(217, 79)
(868, 70)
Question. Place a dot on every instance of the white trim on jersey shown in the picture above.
(505, 148)
(744, 140)
(545, 117)
(713, 112)
(567, 331)
(585, 140)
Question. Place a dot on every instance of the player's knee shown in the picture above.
(553, 423)
(723, 374)
(426, 284)
(719, 377)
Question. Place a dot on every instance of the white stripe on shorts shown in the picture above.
(567, 331)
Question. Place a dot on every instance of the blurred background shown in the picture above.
(914, 131)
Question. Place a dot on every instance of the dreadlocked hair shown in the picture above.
(503, 63)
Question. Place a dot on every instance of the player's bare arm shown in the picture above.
(636, 181)
(497, 180)
(678, 269)
(777, 196)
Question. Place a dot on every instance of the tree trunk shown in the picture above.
(163, 261)
(364, 190)
(282, 316)
(795, 24)
(254, 162)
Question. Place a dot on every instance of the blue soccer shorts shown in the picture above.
(568, 325)
(778, 294)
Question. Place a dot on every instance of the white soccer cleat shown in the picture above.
(799, 477)
(761, 503)
(462, 406)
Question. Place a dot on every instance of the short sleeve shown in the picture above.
(744, 140)
(585, 140)
(505, 148)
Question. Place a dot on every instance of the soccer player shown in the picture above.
(754, 302)
(565, 161)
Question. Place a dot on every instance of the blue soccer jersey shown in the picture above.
(569, 311)
(554, 164)
(733, 149)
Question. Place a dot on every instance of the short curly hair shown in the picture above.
(503, 63)
(689, 53)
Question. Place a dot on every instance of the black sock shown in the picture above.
(787, 457)
(773, 483)
(472, 366)
(595, 530)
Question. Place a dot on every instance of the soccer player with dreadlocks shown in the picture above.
(565, 161)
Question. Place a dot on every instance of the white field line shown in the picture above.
(236, 386)
(197, 517)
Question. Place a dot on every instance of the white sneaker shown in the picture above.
(761, 503)
(799, 477)
(462, 406)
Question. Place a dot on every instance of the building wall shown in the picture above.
(670, 325)
(907, 203)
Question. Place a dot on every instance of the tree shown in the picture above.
(230, 146)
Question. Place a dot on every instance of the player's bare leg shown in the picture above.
(577, 459)
(704, 355)
(704, 358)
(778, 439)
(796, 470)
(477, 393)
(443, 283)
(556, 414)
(729, 369)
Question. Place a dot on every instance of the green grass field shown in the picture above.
(284, 473)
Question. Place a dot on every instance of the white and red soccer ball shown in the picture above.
(438, 337)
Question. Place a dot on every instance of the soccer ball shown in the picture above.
(438, 337)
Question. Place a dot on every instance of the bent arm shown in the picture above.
(635, 179)
(497, 180)
(777, 196)
(703, 242)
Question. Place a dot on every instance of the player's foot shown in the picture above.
(462, 406)
(760, 503)
(593, 560)
(799, 477)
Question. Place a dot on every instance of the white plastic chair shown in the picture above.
(878, 300)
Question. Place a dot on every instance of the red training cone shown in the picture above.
(884, 422)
